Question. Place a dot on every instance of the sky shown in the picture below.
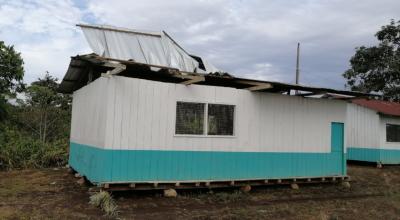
(253, 39)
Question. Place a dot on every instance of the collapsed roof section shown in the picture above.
(156, 56)
(86, 68)
(156, 48)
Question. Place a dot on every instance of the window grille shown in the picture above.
(220, 119)
(392, 133)
(189, 118)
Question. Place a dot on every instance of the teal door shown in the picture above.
(337, 145)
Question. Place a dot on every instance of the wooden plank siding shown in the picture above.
(134, 122)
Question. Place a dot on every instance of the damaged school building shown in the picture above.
(146, 113)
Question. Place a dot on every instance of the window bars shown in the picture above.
(204, 119)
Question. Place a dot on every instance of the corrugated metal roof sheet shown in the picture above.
(384, 107)
(156, 48)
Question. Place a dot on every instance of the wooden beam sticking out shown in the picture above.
(117, 69)
(195, 79)
(255, 85)
(311, 93)
(261, 87)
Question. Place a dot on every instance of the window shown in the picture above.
(392, 133)
(220, 119)
(189, 118)
(204, 119)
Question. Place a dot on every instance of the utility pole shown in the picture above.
(297, 66)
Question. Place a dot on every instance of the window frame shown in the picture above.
(205, 118)
(233, 123)
(386, 132)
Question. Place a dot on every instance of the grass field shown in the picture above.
(54, 194)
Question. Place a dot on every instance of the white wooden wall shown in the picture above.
(388, 120)
(88, 123)
(129, 113)
(363, 127)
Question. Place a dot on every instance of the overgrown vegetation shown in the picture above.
(104, 201)
(34, 119)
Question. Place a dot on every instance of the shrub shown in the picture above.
(104, 201)
(20, 151)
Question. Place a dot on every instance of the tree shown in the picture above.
(377, 68)
(11, 75)
(46, 112)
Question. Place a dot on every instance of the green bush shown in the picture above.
(22, 151)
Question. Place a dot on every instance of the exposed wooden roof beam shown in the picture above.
(117, 68)
(311, 93)
(242, 83)
(194, 79)
(255, 86)
(260, 87)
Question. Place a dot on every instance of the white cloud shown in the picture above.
(44, 32)
(255, 38)
(262, 71)
(238, 35)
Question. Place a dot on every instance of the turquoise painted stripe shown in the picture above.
(384, 156)
(104, 165)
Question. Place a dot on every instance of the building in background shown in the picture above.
(374, 131)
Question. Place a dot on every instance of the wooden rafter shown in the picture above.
(191, 77)
(194, 79)
(255, 85)
(260, 87)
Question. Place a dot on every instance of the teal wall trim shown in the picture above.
(384, 156)
(105, 165)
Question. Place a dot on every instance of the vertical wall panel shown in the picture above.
(263, 121)
(88, 122)
(363, 129)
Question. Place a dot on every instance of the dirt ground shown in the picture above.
(54, 194)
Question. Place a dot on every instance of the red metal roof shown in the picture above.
(384, 107)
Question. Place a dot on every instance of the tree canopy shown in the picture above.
(11, 70)
(377, 68)
(49, 110)
(11, 75)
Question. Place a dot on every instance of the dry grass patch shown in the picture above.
(106, 202)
